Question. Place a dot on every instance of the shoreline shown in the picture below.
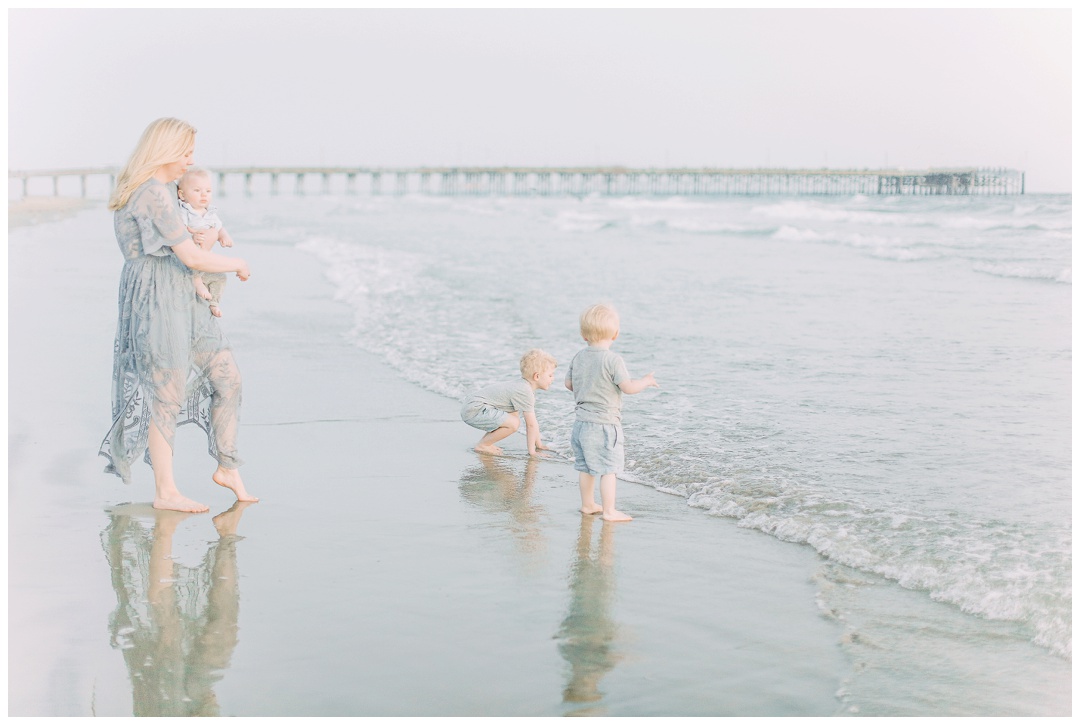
(384, 550)
(31, 210)
(388, 569)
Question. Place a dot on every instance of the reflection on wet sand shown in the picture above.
(496, 487)
(176, 625)
(588, 631)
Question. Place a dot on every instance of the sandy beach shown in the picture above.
(388, 570)
(42, 209)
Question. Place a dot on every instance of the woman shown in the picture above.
(171, 364)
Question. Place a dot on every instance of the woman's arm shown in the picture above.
(202, 261)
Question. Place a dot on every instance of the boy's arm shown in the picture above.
(532, 433)
(636, 386)
(224, 238)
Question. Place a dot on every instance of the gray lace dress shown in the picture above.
(171, 362)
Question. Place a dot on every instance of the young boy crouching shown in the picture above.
(497, 409)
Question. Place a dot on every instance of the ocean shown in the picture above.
(884, 379)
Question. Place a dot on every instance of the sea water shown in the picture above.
(884, 379)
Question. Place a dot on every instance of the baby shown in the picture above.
(497, 408)
(194, 193)
(598, 379)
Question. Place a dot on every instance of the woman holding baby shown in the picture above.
(171, 362)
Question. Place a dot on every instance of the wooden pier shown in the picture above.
(568, 181)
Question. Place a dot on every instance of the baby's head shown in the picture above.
(538, 368)
(195, 187)
(599, 322)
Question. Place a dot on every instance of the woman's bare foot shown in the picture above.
(616, 516)
(215, 310)
(594, 509)
(227, 521)
(493, 450)
(230, 479)
(179, 503)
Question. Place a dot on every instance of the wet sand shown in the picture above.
(388, 570)
(42, 209)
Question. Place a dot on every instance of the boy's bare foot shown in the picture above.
(493, 450)
(617, 516)
(230, 479)
(594, 509)
(202, 290)
(180, 503)
(215, 310)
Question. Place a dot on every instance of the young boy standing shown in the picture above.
(497, 409)
(598, 378)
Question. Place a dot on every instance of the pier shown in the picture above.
(557, 181)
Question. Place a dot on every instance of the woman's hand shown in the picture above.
(243, 273)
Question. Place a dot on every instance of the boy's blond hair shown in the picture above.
(599, 322)
(536, 361)
(195, 171)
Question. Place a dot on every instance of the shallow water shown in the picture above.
(884, 379)
(884, 382)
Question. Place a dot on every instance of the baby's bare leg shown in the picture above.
(607, 495)
(587, 484)
(200, 288)
(215, 285)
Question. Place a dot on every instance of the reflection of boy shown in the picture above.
(496, 408)
(599, 378)
(194, 193)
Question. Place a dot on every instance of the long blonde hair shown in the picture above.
(164, 141)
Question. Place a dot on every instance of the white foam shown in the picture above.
(1023, 271)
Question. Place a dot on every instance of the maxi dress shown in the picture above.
(171, 362)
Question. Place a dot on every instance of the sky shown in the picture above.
(909, 89)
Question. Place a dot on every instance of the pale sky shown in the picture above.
(726, 88)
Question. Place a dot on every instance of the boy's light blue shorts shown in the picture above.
(483, 416)
(598, 448)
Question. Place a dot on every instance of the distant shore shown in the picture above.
(39, 209)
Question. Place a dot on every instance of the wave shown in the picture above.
(950, 558)
(573, 221)
(1035, 219)
(1022, 271)
(891, 248)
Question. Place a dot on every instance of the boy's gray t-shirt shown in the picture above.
(596, 374)
(508, 397)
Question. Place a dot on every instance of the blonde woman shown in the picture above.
(171, 362)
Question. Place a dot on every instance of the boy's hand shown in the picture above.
(199, 235)
(650, 381)
(225, 239)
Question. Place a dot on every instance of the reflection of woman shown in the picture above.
(588, 630)
(177, 626)
(171, 361)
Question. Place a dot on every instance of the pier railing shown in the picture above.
(564, 181)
